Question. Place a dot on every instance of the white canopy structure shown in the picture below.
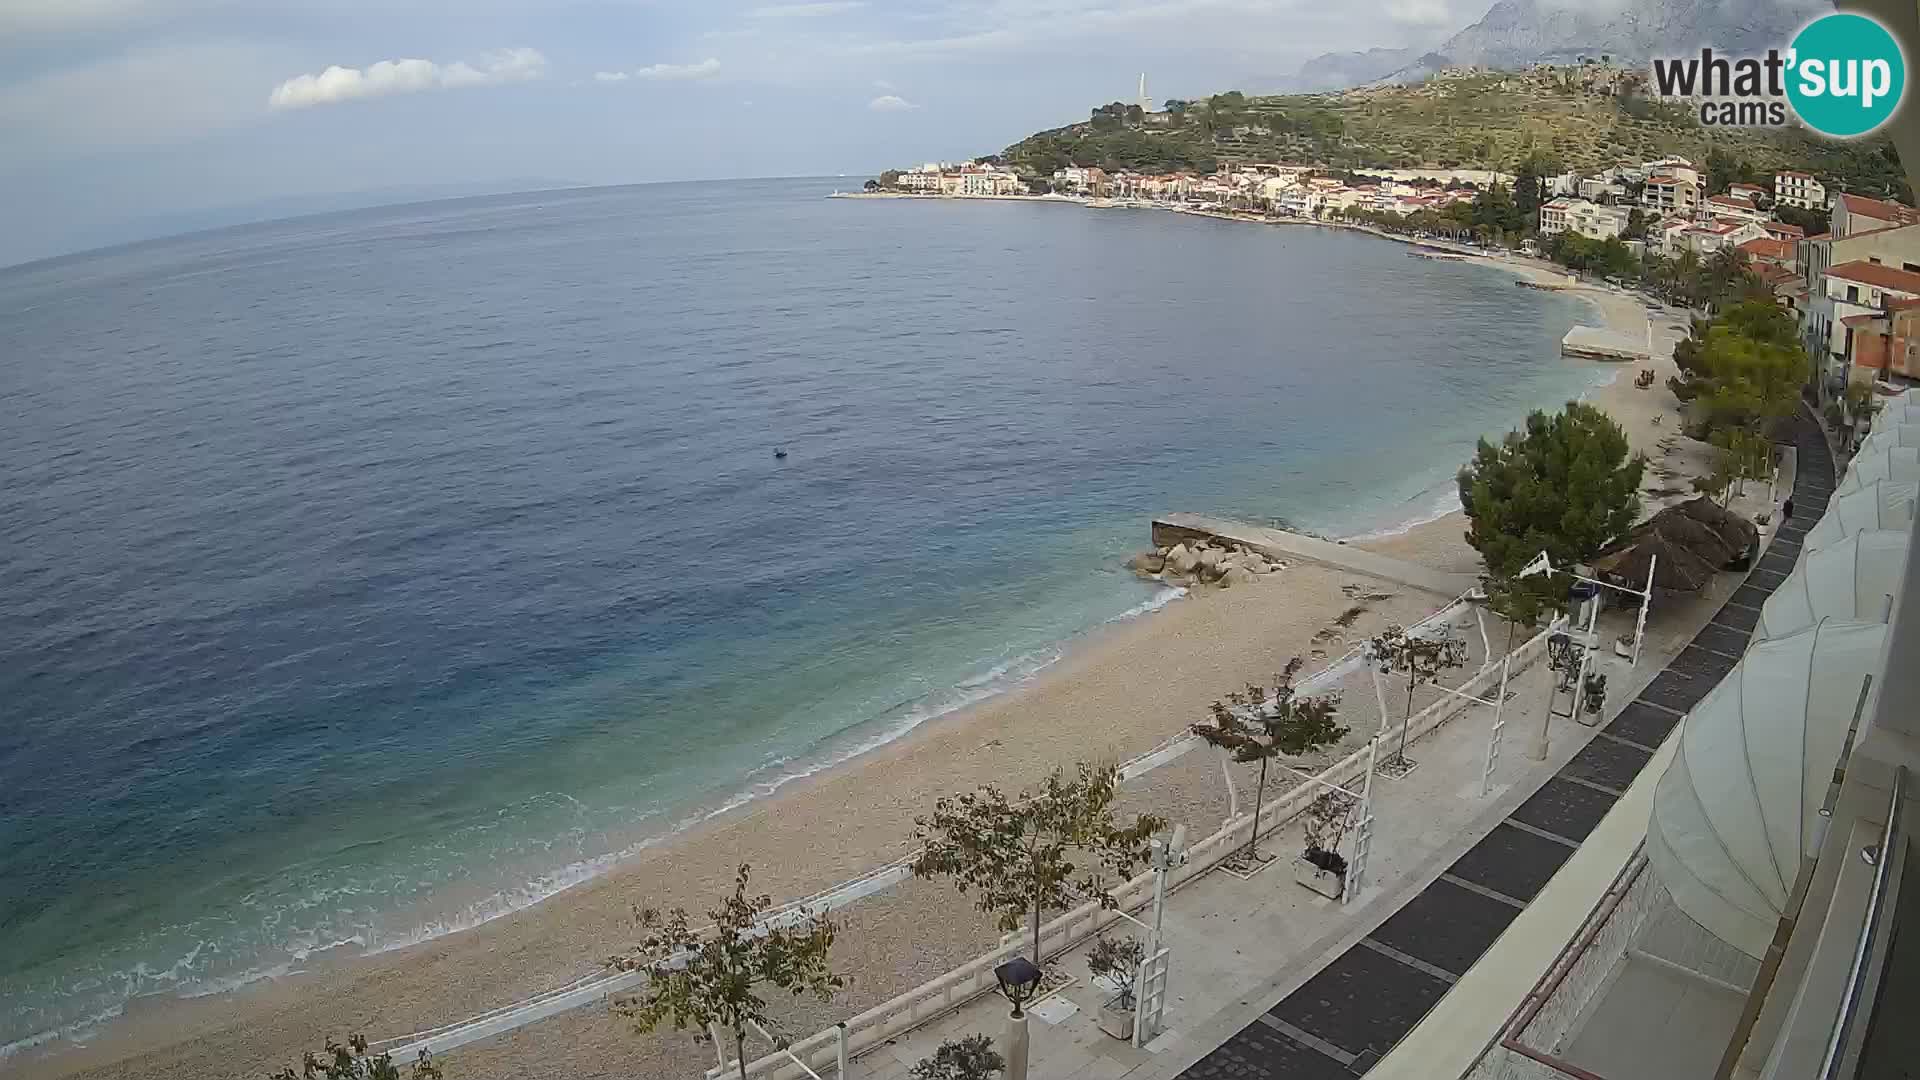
(1886, 435)
(1883, 504)
(1900, 463)
(1850, 580)
(1738, 807)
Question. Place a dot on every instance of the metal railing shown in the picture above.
(1842, 1044)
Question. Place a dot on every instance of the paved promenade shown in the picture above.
(1271, 981)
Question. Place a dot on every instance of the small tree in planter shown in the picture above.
(1257, 726)
(1328, 818)
(971, 1057)
(1018, 854)
(350, 1061)
(715, 990)
(1115, 963)
(1421, 660)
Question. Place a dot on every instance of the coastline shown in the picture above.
(1118, 689)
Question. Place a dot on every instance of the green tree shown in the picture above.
(1017, 855)
(350, 1061)
(711, 981)
(1636, 228)
(1258, 725)
(1421, 658)
(1744, 380)
(1566, 484)
(971, 1057)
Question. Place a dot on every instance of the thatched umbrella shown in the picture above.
(1678, 567)
(1739, 533)
(1689, 532)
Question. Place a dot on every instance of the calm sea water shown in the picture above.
(367, 576)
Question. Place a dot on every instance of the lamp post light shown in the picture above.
(1019, 980)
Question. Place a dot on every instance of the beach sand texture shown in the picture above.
(1116, 695)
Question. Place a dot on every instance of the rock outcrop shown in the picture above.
(1211, 561)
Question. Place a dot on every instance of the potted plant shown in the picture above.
(971, 1057)
(1321, 867)
(1115, 963)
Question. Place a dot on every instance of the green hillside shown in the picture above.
(1477, 120)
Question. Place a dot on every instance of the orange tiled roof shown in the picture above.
(1879, 209)
(1880, 277)
(1766, 247)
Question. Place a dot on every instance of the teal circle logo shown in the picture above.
(1846, 75)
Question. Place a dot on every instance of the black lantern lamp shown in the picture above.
(1019, 981)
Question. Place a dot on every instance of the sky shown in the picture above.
(121, 118)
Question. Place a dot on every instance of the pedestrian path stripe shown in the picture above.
(1542, 833)
(1491, 894)
(1413, 962)
(1310, 1041)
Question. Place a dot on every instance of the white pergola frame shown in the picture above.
(1541, 564)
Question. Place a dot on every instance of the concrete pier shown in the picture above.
(1290, 546)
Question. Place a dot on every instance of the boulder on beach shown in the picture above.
(1147, 563)
(1210, 559)
(1239, 575)
(1180, 560)
(1258, 565)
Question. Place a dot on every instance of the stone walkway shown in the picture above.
(1240, 945)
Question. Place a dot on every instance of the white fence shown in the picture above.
(964, 983)
(932, 1000)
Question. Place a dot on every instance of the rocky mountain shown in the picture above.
(1514, 33)
(1339, 70)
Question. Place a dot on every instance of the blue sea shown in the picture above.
(366, 576)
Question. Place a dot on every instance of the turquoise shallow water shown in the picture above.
(367, 576)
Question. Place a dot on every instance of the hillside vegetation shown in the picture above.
(1476, 120)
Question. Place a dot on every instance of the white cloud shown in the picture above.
(891, 103)
(882, 84)
(337, 84)
(611, 76)
(678, 72)
(805, 11)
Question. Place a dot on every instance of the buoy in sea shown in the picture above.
(780, 454)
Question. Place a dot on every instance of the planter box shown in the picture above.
(1327, 883)
(1116, 1021)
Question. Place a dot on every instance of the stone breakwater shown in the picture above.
(1211, 561)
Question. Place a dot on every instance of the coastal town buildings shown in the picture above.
(1851, 214)
(1780, 230)
(974, 180)
(1841, 292)
(1588, 219)
(1885, 344)
(1672, 186)
(1081, 179)
(1732, 206)
(1799, 189)
(1768, 251)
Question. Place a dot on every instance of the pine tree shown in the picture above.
(1565, 484)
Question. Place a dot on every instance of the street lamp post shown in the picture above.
(1019, 980)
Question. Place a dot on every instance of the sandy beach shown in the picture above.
(1116, 694)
